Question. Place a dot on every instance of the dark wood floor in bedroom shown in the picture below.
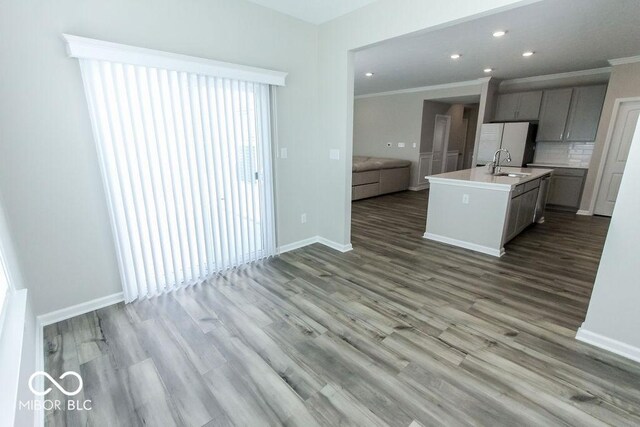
(400, 331)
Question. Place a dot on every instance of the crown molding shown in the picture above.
(558, 76)
(627, 60)
(467, 83)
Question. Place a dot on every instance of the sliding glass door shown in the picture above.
(186, 161)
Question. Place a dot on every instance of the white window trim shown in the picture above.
(82, 47)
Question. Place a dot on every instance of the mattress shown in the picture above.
(365, 163)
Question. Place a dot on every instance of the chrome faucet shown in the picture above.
(494, 166)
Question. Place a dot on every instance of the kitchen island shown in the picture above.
(477, 210)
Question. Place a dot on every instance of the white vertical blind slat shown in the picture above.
(186, 165)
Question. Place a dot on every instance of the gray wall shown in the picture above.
(383, 119)
(624, 83)
(49, 175)
(613, 309)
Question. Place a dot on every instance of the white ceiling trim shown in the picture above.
(477, 82)
(627, 60)
(82, 47)
(547, 77)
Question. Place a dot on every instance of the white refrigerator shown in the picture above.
(517, 137)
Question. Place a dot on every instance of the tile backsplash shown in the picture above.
(564, 153)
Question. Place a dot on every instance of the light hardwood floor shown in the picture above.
(401, 331)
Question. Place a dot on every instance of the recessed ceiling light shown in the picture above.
(488, 70)
(455, 56)
(369, 74)
(499, 33)
(527, 53)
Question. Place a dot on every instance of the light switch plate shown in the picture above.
(334, 154)
(283, 153)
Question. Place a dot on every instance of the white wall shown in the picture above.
(49, 176)
(613, 310)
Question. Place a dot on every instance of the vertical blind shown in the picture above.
(186, 162)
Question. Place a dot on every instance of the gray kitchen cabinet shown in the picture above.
(522, 208)
(553, 114)
(529, 106)
(527, 210)
(512, 219)
(518, 106)
(565, 189)
(506, 107)
(584, 114)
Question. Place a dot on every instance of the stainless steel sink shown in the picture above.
(512, 174)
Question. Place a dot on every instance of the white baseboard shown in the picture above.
(78, 309)
(584, 212)
(334, 245)
(297, 245)
(467, 245)
(609, 344)
(310, 241)
(419, 187)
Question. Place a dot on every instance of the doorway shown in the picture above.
(625, 118)
(441, 131)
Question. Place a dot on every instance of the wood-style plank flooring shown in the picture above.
(401, 331)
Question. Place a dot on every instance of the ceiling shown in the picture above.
(314, 11)
(566, 35)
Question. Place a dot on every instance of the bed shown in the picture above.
(374, 176)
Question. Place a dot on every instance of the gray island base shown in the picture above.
(477, 210)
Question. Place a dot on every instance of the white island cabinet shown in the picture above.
(476, 210)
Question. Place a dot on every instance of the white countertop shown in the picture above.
(556, 165)
(480, 177)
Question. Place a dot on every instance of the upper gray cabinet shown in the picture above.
(553, 114)
(518, 106)
(584, 114)
(571, 114)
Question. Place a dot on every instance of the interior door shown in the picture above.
(440, 143)
(624, 127)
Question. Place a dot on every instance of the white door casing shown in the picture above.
(623, 122)
(441, 131)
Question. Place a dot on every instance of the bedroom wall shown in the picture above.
(49, 176)
(393, 118)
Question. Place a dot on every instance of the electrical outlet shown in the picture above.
(303, 218)
(465, 199)
(334, 154)
(401, 144)
(415, 145)
(283, 153)
(389, 144)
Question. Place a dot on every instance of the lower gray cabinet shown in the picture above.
(565, 189)
(522, 209)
